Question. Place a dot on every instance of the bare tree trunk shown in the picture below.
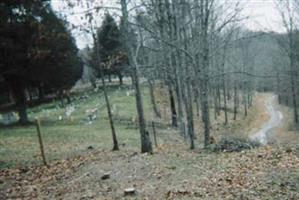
(22, 109)
(224, 88)
(153, 99)
(98, 63)
(218, 98)
(162, 16)
(289, 16)
(278, 88)
(228, 96)
(293, 76)
(197, 101)
(174, 121)
(114, 138)
(205, 65)
(244, 97)
(120, 77)
(19, 94)
(225, 101)
(294, 98)
(146, 144)
(235, 100)
(175, 59)
(205, 112)
(215, 99)
(155, 134)
(61, 98)
(189, 109)
(41, 92)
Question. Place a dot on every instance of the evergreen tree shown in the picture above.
(109, 38)
(110, 48)
(35, 47)
(55, 50)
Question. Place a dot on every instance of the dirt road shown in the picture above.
(274, 122)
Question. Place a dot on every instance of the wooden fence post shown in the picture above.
(40, 140)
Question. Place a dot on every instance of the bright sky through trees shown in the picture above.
(262, 16)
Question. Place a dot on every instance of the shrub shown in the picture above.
(234, 144)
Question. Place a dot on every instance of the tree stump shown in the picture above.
(130, 191)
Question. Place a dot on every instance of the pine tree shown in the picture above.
(35, 47)
(109, 38)
(110, 48)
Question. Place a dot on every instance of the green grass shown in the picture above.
(19, 145)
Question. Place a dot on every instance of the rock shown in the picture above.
(171, 167)
(123, 144)
(91, 114)
(69, 111)
(8, 118)
(289, 150)
(134, 154)
(88, 195)
(90, 147)
(106, 176)
(24, 170)
(131, 93)
(129, 191)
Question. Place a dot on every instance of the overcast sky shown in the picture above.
(262, 13)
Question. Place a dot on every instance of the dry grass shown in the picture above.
(287, 134)
(241, 127)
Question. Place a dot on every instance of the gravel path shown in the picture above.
(274, 122)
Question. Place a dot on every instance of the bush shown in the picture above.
(234, 144)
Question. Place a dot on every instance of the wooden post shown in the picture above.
(40, 140)
(154, 131)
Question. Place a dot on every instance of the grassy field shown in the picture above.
(63, 138)
(72, 136)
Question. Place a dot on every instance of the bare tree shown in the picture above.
(146, 145)
(288, 16)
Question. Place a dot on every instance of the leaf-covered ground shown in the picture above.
(172, 172)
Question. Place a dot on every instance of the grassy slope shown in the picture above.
(19, 145)
(62, 139)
